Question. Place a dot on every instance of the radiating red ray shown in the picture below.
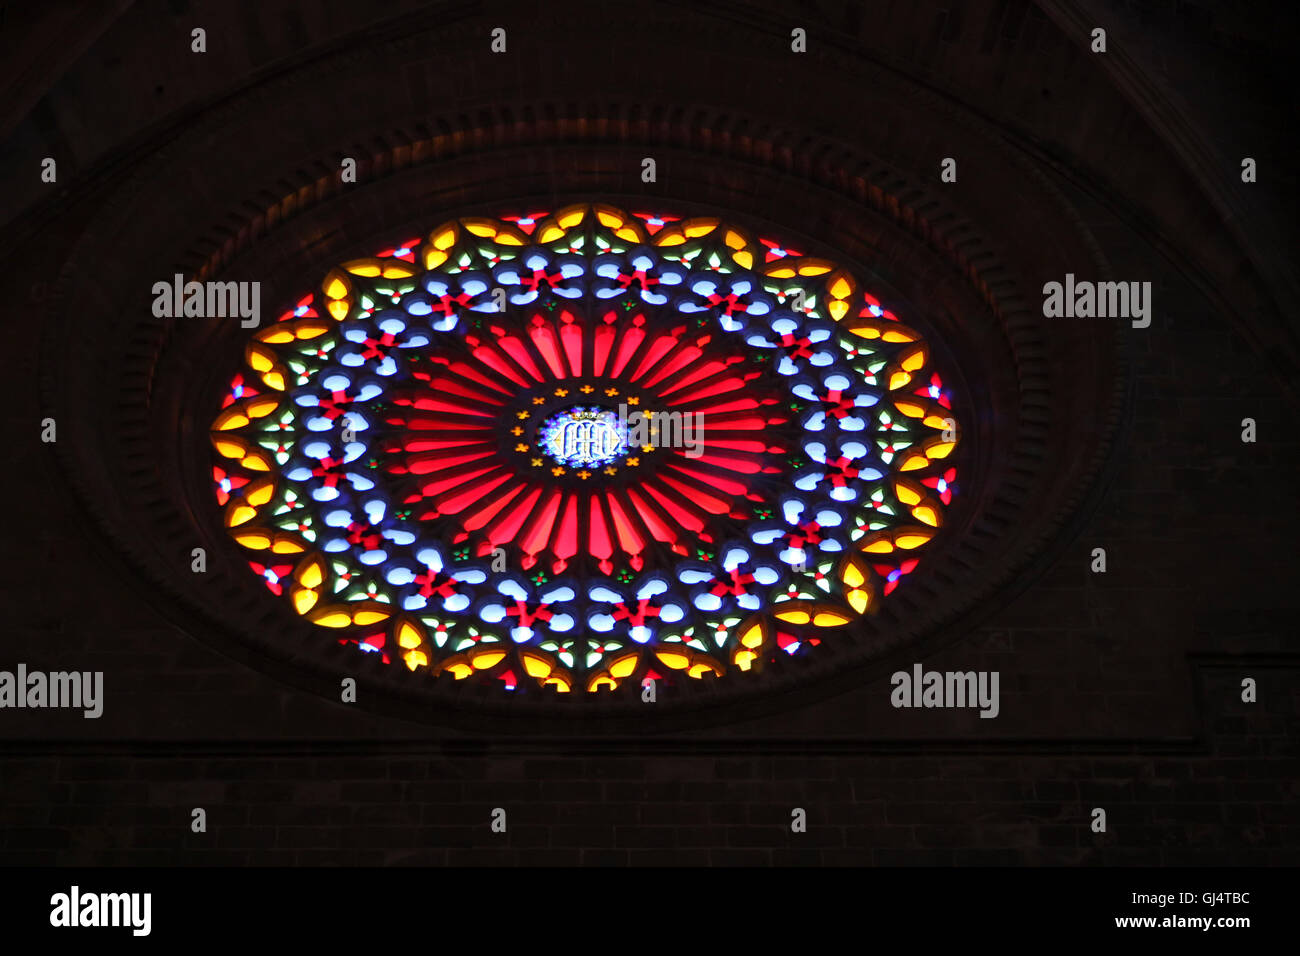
(539, 529)
(503, 529)
(548, 344)
(628, 538)
(465, 370)
(447, 384)
(604, 336)
(631, 341)
(500, 364)
(571, 339)
(430, 444)
(448, 405)
(660, 530)
(681, 359)
(454, 504)
(565, 545)
(728, 485)
(729, 384)
(598, 539)
(659, 347)
(678, 510)
(428, 462)
(432, 488)
(480, 518)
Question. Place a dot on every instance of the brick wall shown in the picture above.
(1227, 798)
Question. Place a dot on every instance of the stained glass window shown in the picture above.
(566, 450)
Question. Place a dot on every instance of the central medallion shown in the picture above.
(584, 436)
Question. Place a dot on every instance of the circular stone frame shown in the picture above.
(140, 462)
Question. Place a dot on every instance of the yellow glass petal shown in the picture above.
(485, 659)
(673, 658)
(310, 328)
(828, 619)
(304, 600)
(254, 539)
(568, 218)
(229, 449)
(259, 492)
(261, 406)
(794, 616)
(259, 359)
(231, 418)
(536, 665)
(445, 239)
(624, 666)
(335, 617)
(408, 635)
(906, 494)
(926, 514)
(239, 513)
(312, 575)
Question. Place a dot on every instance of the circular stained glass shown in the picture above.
(564, 451)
